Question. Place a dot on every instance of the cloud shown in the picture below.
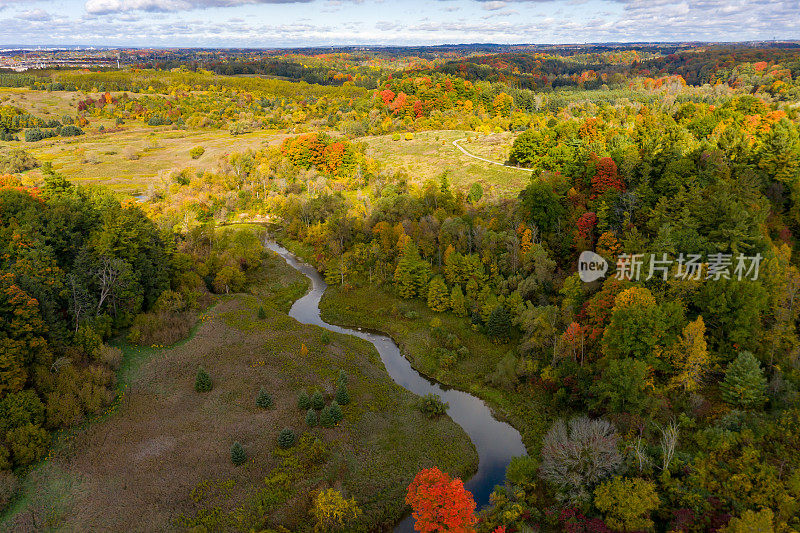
(34, 15)
(104, 7)
(494, 5)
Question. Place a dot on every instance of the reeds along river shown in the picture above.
(497, 442)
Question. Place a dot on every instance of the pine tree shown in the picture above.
(311, 418)
(286, 438)
(342, 377)
(499, 324)
(326, 418)
(238, 457)
(264, 399)
(303, 401)
(457, 301)
(317, 401)
(744, 383)
(342, 395)
(202, 382)
(438, 298)
(336, 412)
(262, 313)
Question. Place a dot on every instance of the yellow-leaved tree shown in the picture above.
(333, 511)
(690, 356)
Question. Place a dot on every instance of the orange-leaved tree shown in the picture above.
(441, 503)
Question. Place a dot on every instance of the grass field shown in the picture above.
(161, 460)
(379, 309)
(430, 153)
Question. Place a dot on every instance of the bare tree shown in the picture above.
(109, 277)
(669, 440)
(576, 456)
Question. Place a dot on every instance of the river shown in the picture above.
(496, 442)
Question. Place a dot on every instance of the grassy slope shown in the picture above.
(431, 152)
(164, 453)
(379, 309)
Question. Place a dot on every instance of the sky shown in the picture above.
(297, 23)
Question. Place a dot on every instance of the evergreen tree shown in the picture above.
(499, 324)
(262, 313)
(317, 401)
(458, 302)
(303, 401)
(311, 418)
(264, 399)
(326, 418)
(238, 457)
(286, 438)
(342, 395)
(412, 272)
(438, 298)
(342, 377)
(336, 412)
(744, 383)
(202, 382)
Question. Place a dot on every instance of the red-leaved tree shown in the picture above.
(441, 503)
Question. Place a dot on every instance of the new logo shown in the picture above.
(591, 266)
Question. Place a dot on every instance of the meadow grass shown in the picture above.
(378, 308)
(161, 459)
(431, 153)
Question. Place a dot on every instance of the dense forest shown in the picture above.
(662, 396)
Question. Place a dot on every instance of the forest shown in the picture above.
(662, 396)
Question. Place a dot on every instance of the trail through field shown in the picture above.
(473, 156)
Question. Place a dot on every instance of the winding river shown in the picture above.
(496, 442)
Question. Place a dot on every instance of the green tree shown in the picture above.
(342, 395)
(326, 418)
(262, 313)
(317, 400)
(751, 522)
(499, 324)
(311, 418)
(336, 412)
(28, 444)
(623, 387)
(458, 302)
(541, 205)
(238, 457)
(744, 384)
(264, 399)
(303, 401)
(286, 438)
(202, 381)
(627, 503)
(438, 298)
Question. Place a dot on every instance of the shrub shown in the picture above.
(325, 338)
(332, 511)
(336, 412)
(311, 418)
(326, 418)
(158, 121)
(579, 455)
(317, 401)
(627, 503)
(286, 438)
(197, 152)
(303, 401)
(71, 131)
(262, 313)
(263, 399)
(202, 382)
(161, 328)
(432, 406)
(744, 384)
(28, 443)
(9, 484)
(342, 395)
(238, 457)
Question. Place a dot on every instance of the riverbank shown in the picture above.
(161, 461)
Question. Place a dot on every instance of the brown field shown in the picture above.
(161, 461)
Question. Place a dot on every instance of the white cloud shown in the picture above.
(118, 6)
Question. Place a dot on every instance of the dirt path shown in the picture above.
(465, 152)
